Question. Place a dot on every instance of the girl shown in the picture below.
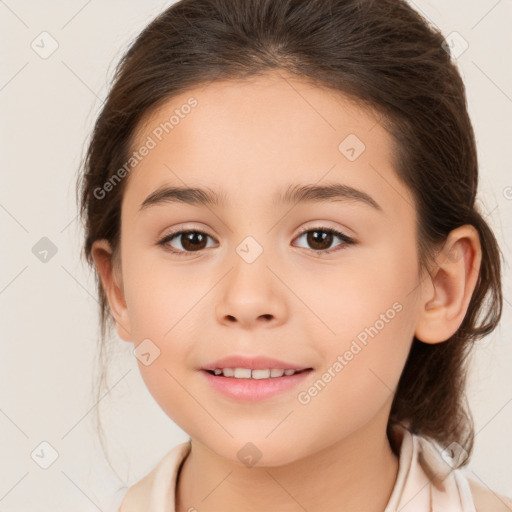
(279, 201)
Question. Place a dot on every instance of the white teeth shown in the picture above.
(260, 374)
(247, 373)
(242, 373)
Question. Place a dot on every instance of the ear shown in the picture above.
(110, 275)
(447, 292)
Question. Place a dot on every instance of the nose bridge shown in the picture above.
(257, 246)
(253, 238)
(249, 262)
(255, 234)
(250, 249)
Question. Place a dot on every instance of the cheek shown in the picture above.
(372, 287)
(359, 376)
(164, 307)
(368, 316)
(172, 390)
(161, 297)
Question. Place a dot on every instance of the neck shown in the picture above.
(356, 473)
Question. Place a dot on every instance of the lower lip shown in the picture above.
(254, 390)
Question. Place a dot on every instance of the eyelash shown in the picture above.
(347, 240)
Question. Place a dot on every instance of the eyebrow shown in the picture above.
(293, 194)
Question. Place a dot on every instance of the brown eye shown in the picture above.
(190, 241)
(320, 239)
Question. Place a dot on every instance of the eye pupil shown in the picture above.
(194, 238)
(314, 239)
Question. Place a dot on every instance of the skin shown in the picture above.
(250, 139)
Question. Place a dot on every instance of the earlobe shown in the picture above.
(448, 290)
(111, 281)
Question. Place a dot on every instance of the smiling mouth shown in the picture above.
(247, 373)
(254, 385)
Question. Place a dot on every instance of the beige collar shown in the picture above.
(426, 482)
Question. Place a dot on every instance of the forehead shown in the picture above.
(250, 139)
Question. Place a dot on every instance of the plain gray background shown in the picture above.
(49, 310)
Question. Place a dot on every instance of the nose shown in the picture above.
(251, 295)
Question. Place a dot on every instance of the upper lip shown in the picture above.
(253, 363)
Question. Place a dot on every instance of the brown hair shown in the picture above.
(385, 56)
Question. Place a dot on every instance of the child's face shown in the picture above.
(250, 141)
